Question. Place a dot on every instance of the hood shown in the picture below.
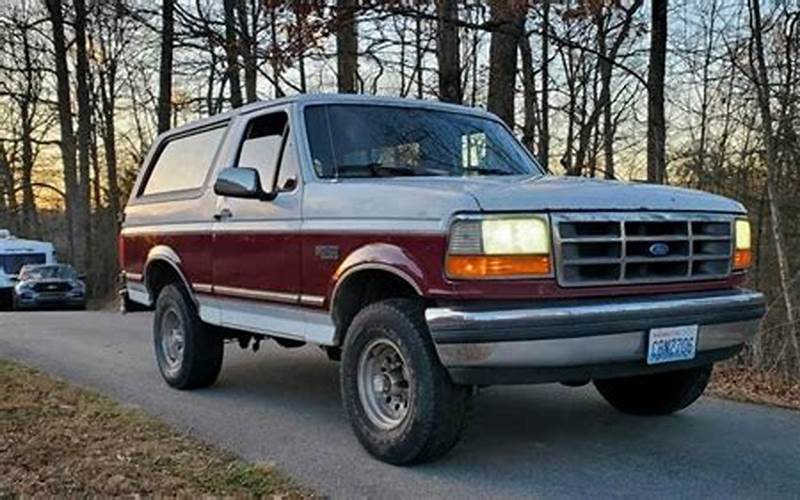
(550, 193)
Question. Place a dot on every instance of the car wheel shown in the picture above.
(656, 394)
(399, 399)
(188, 352)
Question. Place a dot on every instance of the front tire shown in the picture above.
(399, 399)
(656, 394)
(188, 352)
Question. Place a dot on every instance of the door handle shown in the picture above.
(223, 214)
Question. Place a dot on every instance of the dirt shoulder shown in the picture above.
(751, 386)
(58, 440)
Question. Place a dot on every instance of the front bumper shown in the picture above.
(549, 341)
(41, 301)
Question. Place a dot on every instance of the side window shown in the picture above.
(183, 162)
(262, 146)
(473, 150)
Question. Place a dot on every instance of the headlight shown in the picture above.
(742, 254)
(499, 247)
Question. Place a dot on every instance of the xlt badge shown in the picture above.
(327, 252)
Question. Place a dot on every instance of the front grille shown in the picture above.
(61, 286)
(602, 249)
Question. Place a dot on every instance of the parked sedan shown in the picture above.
(49, 285)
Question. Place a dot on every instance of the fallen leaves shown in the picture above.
(58, 440)
(751, 386)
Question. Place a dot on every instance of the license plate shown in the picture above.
(675, 343)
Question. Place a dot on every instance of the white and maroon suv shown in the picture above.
(422, 244)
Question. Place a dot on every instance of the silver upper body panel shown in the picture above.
(427, 202)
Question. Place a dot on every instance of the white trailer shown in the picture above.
(15, 253)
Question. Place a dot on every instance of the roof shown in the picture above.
(14, 244)
(310, 99)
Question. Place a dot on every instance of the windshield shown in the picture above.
(389, 141)
(12, 263)
(48, 272)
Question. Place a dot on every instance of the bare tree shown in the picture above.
(247, 14)
(232, 54)
(544, 121)
(656, 123)
(67, 142)
(346, 46)
(762, 85)
(530, 110)
(448, 51)
(83, 222)
(509, 20)
(165, 67)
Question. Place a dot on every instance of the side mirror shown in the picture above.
(241, 182)
(81, 277)
(14, 278)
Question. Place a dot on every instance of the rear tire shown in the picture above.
(188, 352)
(399, 399)
(656, 394)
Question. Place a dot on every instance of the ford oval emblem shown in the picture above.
(658, 249)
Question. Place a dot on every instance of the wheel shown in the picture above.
(188, 353)
(399, 399)
(656, 394)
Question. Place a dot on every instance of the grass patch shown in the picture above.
(58, 440)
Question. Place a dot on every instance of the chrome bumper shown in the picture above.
(570, 340)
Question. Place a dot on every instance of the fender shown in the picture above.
(382, 256)
(163, 253)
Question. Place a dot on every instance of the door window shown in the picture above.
(263, 145)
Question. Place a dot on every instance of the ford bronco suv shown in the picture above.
(421, 245)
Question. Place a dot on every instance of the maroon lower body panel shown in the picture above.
(310, 263)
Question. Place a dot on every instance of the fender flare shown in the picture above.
(378, 256)
(163, 253)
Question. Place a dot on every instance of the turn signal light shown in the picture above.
(742, 259)
(497, 266)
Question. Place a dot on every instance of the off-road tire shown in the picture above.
(202, 348)
(656, 394)
(438, 410)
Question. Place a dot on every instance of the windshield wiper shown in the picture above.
(375, 169)
(488, 171)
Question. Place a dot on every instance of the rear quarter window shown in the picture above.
(183, 162)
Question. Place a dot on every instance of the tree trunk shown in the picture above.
(108, 103)
(247, 49)
(419, 55)
(509, 25)
(544, 115)
(273, 57)
(232, 54)
(83, 222)
(7, 181)
(67, 142)
(656, 124)
(165, 66)
(30, 220)
(529, 91)
(346, 46)
(448, 51)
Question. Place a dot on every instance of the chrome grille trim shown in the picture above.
(616, 248)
